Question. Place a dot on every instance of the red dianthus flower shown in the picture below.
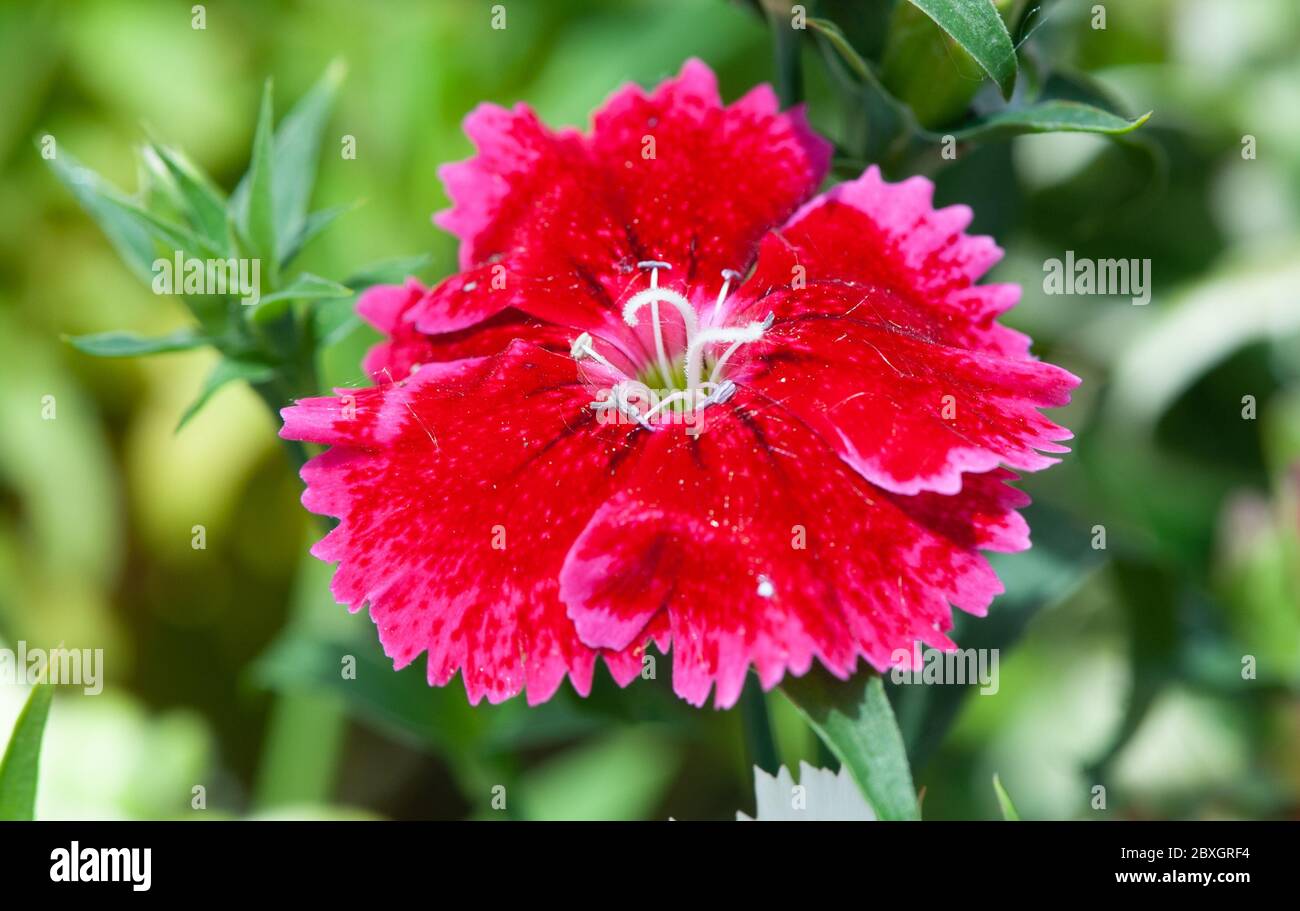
(669, 399)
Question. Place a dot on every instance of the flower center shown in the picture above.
(671, 383)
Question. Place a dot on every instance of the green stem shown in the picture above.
(300, 759)
(786, 50)
(305, 733)
(760, 746)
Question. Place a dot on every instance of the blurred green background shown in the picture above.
(1120, 667)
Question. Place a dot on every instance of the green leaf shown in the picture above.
(855, 721)
(304, 287)
(977, 27)
(297, 150)
(167, 235)
(21, 764)
(206, 203)
(128, 344)
(156, 188)
(312, 226)
(388, 271)
(1004, 801)
(308, 287)
(136, 233)
(287, 157)
(227, 370)
(257, 203)
(1051, 117)
(132, 240)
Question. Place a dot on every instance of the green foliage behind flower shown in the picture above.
(1121, 666)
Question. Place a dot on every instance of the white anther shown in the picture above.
(618, 400)
(583, 347)
(728, 276)
(721, 393)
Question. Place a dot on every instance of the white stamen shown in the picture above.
(739, 335)
(584, 347)
(721, 392)
(668, 400)
(618, 400)
(728, 275)
(718, 365)
(653, 295)
(699, 393)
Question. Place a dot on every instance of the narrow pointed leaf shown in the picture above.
(1004, 801)
(156, 189)
(128, 344)
(312, 227)
(20, 767)
(388, 271)
(227, 370)
(137, 234)
(257, 212)
(166, 235)
(1051, 117)
(131, 239)
(856, 723)
(291, 153)
(309, 287)
(977, 27)
(207, 205)
(304, 287)
(297, 151)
